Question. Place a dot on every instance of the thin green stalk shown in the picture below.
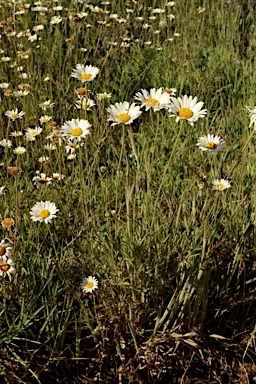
(239, 156)
(165, 171)
(119, 164)
(16, 214)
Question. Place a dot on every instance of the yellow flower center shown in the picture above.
(103, 96)
(220, 186)
(89, 284)
(8, 222)
(211, 145)
(85, 106)
(185, 113)
(151, 102)
(124, 117)
(14, 115)
(168, 90)
(20, 152)
(73, 145)
(2, 250)
(44, 213)
(76, 131)
(85, 76)
(42, 181)
(81, 91)
(5, 267)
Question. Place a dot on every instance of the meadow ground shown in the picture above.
(127, 249)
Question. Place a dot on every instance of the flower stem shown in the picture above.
(166, 169)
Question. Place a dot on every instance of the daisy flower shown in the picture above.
(155, 99)
(45, 119)
(71, 156)
(252, 115)
(81, 91)
(5, 58)
(2, 190)
(87, 73)
(8, 222)
(42, 180)
(200, 9)
(4, 85)
(50, 147)
(46, 104)
(6, 143)
(39, 9)
(123, 113)
(23, 86)
(56, 20)
(32, 37)
(7, 266)
(89, 284)
(57, 176)
(5, 248)
(43, 159)
(104, 95)
(220, 185)
(187, 108)
(8, 92)
(20, 93)
(76, 129)
(26, 32)
(33, 131)
(171, 91)
(56, 134)
(9, 32)
(38, 28)
(211, 143)
(58, 8)
(84, 104)
(19, 150)
(16, 133)
(96, 9)
(30, 138)
(14, 114)
(43, 211)
(71, 147)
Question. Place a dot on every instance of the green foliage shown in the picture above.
(169, 256)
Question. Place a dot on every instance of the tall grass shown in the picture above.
(174, 258)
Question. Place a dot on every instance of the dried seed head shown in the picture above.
(14, 171)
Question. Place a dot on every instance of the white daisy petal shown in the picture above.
(123, 113)
(211, 143)
(155, 99)
(89, 284)
(43, 211)
(187, 108)
(220, 185)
